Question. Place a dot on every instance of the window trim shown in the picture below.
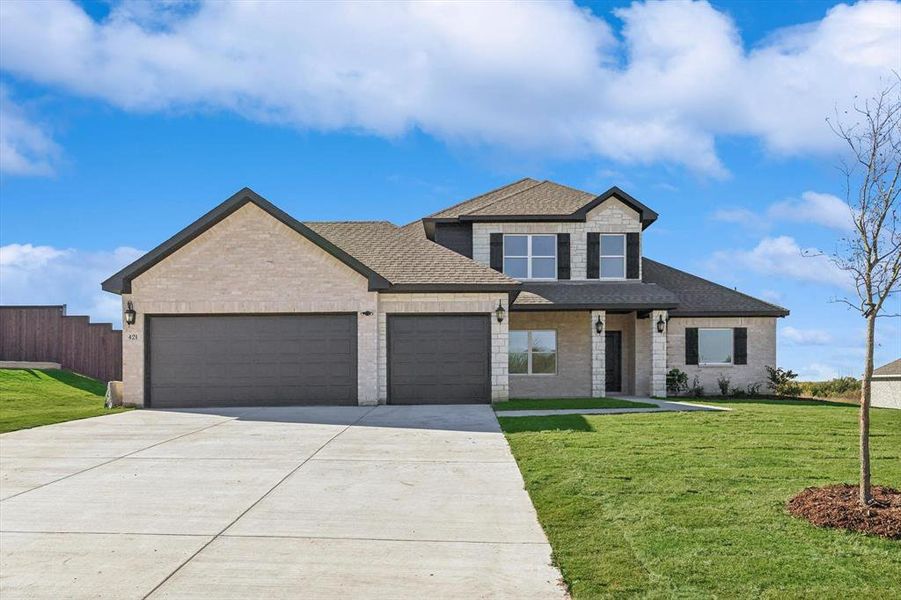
(529, 372)
(529, 256)
(731, 362)
(602, 256)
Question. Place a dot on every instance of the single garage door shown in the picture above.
(439, 359)
(252, 360)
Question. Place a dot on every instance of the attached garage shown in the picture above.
(206, 360)
(439, 359)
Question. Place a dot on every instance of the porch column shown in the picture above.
(598, 358)
(658, 355)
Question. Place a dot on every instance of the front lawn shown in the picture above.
(32, 397)
(568, 403)
(692, 504)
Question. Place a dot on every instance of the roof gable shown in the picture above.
(120, 283)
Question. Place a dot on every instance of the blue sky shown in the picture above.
(121, 123)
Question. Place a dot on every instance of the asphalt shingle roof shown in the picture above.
(611, 295)
(891, 369)
(403, 256)
(699, 297)
(483, 200)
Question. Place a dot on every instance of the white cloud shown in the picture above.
(783, 257)
(823, 209)
(741, 216)
(46, 275)
(25, 147)
(530, 76)
(806, 337)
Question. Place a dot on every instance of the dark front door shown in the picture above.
(252, 360)
(439, 359)
(614, 357)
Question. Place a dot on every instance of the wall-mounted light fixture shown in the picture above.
(499, 312)
(366, 313)
(661, 324)
(599, 325)
(130, 314)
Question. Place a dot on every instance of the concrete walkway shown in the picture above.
(659, 406)
(355, 502)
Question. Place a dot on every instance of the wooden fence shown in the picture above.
(46, 333)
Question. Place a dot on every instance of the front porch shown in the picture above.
(565, 353)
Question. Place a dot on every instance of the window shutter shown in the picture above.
(562, 256)
(691, 345)
(740, 346)
(594, 255)
(633, 257)
(497, 251)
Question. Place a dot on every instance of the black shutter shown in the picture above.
(594, 256)
(691, 345)
(562, 256)
(633, 258)
(740, 346)
(497, 251)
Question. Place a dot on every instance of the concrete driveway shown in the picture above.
(384, 502)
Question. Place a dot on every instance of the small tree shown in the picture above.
(871, 255)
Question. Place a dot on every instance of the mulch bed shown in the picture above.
(837, 506)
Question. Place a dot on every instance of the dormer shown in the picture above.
(543, 231)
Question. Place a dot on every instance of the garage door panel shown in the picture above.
(439, 359)
(253, 360)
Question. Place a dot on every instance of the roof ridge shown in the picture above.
(492, 191)
(719, 285)
(508, 196)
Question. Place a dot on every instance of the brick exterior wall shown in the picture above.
(448, 303)
(574, 366)
(250, 263)
(761, 351)
(610, 217)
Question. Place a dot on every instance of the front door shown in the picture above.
(614, 361)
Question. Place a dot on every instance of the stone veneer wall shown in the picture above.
(448, 303)
(761, 350)
(250, 263)
(610, 217)
(573, 377)
(598, 353)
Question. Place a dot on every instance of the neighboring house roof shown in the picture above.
(586, 295)
(388, 256)
(701, 298)
(892, 369)
(408, 260)
(529, 199)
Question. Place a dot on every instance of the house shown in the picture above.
(885, 386)
(534, 289)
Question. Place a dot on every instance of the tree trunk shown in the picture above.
(865, 492)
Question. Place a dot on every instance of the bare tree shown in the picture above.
(871, 254)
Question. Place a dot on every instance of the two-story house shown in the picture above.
(531, 290)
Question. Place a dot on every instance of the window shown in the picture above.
(530, 256)
(533, 352)
(715, 346)
(613, 256)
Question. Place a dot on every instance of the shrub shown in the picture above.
(723, 382)
(737, 393)
(676, 382)
(696, 389)
(782, 381)
(845, 387)
(753, 389)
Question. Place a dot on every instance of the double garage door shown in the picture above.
(265, 360)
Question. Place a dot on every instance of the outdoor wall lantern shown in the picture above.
(130, 314)
(599, 325)
(499, 312)
(661, 324)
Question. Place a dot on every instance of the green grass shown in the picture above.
(568, 403)
(691, 505)
(31, 397)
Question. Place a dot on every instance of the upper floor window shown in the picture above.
(530, 256)
(613, 256)
(715, 346)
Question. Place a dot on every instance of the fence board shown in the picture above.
(46, 333)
